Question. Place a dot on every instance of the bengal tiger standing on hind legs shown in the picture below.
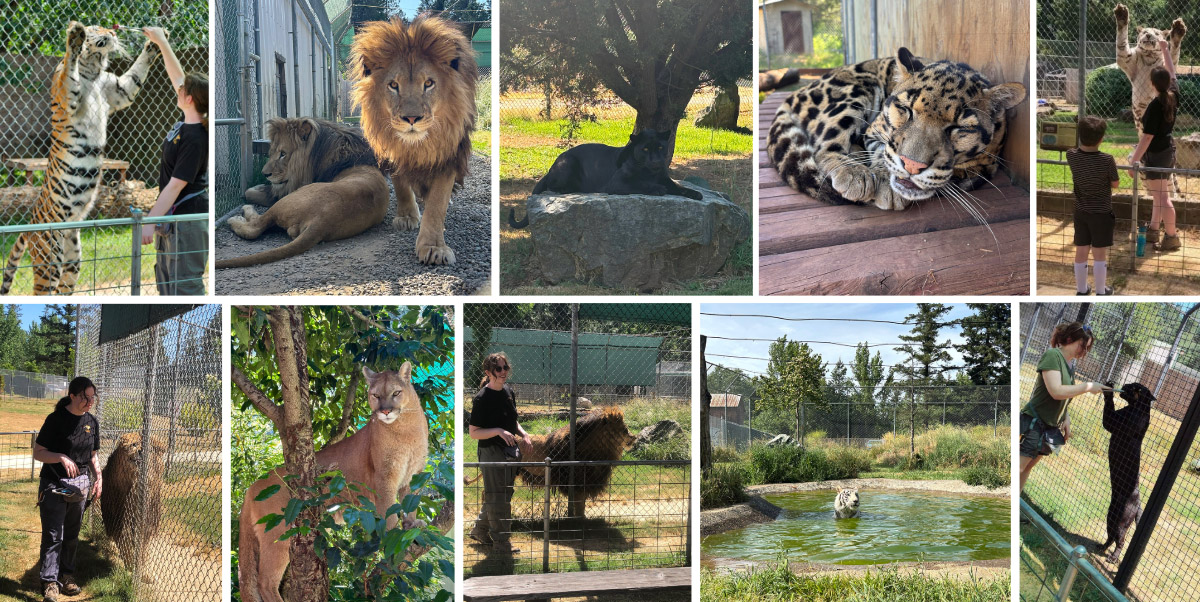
(83, 96)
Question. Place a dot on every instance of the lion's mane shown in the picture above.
(119, 503)
(439, 43)
(324, 149)
(600, 435)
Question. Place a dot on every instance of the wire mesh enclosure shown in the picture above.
(894, 416)
(604, 482)
(33, 37)
(1078, 74)
(161, 383)
(26, 398)
(1154, 345)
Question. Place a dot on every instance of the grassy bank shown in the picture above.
(782, 585)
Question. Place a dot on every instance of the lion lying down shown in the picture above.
(325, 185)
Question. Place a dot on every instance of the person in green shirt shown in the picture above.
(1045, 425)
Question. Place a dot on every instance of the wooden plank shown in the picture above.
(797, 223)
(585, 583)
(964, 261)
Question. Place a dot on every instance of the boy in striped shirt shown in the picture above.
(1094, 175)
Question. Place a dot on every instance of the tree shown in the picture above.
(795, 379)
(471, 14)
(53, 340)
(297, 367)
(924, 350)
(869, 373)
(651, 55)
(12, 339)
(987, 336)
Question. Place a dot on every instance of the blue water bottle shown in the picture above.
(1141, 241)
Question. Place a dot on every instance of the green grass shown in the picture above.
(780, 584)
(201, 513)
(1049, 564)
(106, 261)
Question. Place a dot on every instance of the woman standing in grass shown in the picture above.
(1156, 148)
(66, 446)
(1045, 425)
(494, 425)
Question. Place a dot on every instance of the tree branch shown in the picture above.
(256, 397)
(339, 433)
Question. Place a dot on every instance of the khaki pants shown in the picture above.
(496, 515)
(182, 255)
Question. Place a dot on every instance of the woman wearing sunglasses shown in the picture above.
(1045, 425)
(494, 425)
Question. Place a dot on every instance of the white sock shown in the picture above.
(1081, 277)
(1100, 274)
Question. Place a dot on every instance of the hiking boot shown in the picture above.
(1169, 243)
(1107, 292)
(504, 546)
(50, 592)
(481, 534)
(68, 586)
(1151, 235)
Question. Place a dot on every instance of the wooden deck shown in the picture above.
(585, 583)
(935, 247)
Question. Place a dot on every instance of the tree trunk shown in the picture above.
(705, 403)
(308, 579)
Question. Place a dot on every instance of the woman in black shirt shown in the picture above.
(1156, 148)
(182, 247)
(494, 425)
(66, 446)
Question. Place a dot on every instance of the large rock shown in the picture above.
(633, 241)
(1187, 151)
(659, 431)
(723, 112)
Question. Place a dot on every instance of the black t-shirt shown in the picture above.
(185, 156)
(1154, 122)
(491, 409)
(75, 436)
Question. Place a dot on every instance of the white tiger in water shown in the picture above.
(845, 505)
(1137, 62)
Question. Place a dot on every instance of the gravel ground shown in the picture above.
(380, 261)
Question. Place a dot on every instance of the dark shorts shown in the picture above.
(1094, 229)
(1163, 158)
(1038, 439)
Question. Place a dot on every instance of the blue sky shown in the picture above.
(29, 314)
(850, 333)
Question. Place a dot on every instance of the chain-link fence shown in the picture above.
(1078, 74)
(800, 35)
(1152, 465)
(896, 415)
(26, 398)
(605, 481)
(158, 378)
(33, 37)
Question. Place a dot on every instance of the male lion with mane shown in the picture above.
(121, 505)
(324, 185)
(416, 85)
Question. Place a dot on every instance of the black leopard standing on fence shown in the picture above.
(1128, 427)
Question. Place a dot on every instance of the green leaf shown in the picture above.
(293, 509)
(442, 596)
(333, 557)
(270, 521)
(410, 503)
(447, 567)
(368, 521)
(267, 492)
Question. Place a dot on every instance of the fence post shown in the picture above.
(1133, 201)
(32, 461)
(135, 279)
(1125, 331)
(1162, 490)
(146, 458)
(847, 424)
(995, 417)
(1068, 579)
(546, 521)
(1082, 57)
(574, 506)
(1174, 351)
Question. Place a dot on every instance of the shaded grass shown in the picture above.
(1040, 559)
(888, 585)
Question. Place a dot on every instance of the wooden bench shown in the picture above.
(807, 247)
(585, 583)
(32, 165)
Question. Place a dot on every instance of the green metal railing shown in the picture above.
(1076, 564)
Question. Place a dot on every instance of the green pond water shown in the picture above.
(891, 527)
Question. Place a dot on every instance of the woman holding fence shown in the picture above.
(1045, 425)
(494, 425)
(182, 247)
(66, 446)
(1156, 148)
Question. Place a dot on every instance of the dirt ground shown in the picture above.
(1172, 273)
(380, 261)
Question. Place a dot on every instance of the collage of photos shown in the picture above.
(532, 300)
